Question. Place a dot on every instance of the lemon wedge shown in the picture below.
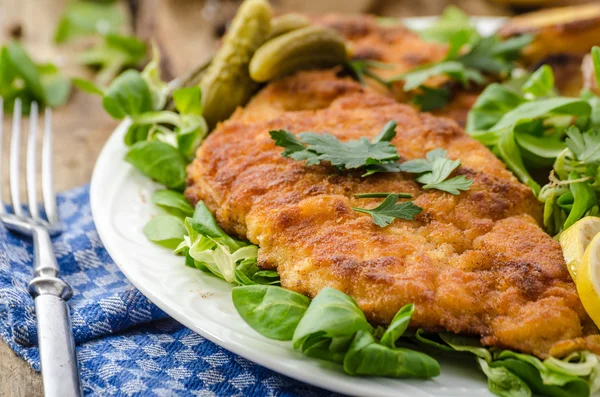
(576, 239)
(588, 280)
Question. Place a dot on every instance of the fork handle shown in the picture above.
(55, 335)
(57, 347)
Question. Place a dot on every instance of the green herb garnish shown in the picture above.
(526, 128)
(273, 312)
(427, 98)
(469, 59)
(573, 190)
(173, 202)
(315, 148)
(363, 68)
(385, 213)
(142, 98)
(165, 230)
(434, 171)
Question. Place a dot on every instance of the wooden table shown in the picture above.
(81, 127)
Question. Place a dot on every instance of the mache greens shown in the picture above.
(162, 142)
(22, 78)
(530, 127)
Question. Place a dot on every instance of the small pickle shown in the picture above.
(286, 23)
(226, 84)
(307, 48)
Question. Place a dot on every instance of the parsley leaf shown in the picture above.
(453, 69)
(315, 148)
(540, 83)
(432, 98)
(385, 213)
(586, 146)
(362, 68)
(351, 154)
(293, 147)
(492, 55)
(434, 171)
(468, 57)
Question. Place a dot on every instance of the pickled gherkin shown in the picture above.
(307, 48)
(227, 83)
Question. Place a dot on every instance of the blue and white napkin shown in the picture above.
(126, 345)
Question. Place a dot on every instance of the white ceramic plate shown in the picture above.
(120, 206)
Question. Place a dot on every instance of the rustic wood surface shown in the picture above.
(181, 30)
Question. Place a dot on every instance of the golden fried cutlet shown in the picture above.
(477, 263)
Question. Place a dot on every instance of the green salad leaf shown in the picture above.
(385, 213)
(516, 374)
(573, 190)
(127, 95)
(493, 103)
(209, 248)
(142, 97)
(83, 18)
(503, 382)
(273, 312)
(315, 148)
(526, 128)
(21, 78)
(188, 100)
(452, 21)
(328, 327)
(398, 326)
(159, 161)
(173, 202)
(166, 230)
(541, 83)
(158, 88)
(367, 357)
(113, 54)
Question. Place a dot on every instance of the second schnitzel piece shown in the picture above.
(476, 263)
(402, 50)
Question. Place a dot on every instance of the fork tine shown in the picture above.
(15, 148)
(32, 162)
(47, 186)
(2, 207)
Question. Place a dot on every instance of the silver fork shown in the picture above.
(55, 336)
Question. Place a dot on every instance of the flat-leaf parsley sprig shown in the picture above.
(385, 213)
(434, 171)
(315, 148)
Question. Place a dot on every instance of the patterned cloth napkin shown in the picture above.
(126, 345)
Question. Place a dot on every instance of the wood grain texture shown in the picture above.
(186, 35)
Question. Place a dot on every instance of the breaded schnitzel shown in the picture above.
(477, 263)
